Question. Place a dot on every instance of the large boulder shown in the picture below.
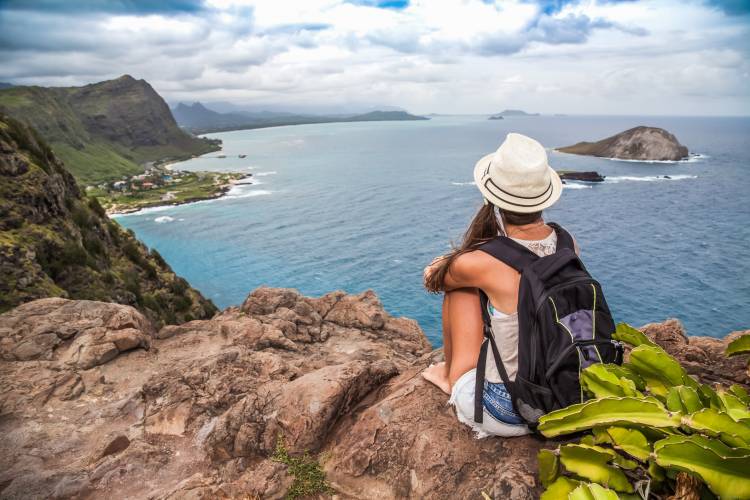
(211, 409)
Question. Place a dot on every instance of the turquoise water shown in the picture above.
(367, 205)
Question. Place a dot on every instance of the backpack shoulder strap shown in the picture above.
(509, 252)
(564, 239)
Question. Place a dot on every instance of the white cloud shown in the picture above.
(459, 56)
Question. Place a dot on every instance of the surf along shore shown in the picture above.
(161, 185)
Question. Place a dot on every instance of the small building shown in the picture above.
(148, 185)
(119, 185)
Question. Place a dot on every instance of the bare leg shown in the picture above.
(462, 338)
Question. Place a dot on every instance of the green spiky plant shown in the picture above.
(650, 431)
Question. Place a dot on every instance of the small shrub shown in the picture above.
(179, 286)
(96, 207)
(151, 302)
(182, 303)
(81, 216)
(73, 254)
(92, 243)
(132, 285)
(309, 478)
(133, 252)
(114, 231)
(158, 258)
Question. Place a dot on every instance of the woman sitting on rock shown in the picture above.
(517, 183)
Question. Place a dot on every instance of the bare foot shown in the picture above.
(438, 375)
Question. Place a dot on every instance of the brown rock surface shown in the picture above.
(198, 414)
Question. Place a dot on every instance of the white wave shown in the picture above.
(163, 219)
(463, 183)
(692, 158)
(647, 178)
(248, 194)
(148, 210)
(263, 174)
(570, 185)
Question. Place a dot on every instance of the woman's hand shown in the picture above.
(431, 267)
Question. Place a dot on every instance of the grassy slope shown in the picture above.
(65, 117)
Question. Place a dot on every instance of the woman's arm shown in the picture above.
(465, 271)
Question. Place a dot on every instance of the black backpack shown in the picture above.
(564, 326)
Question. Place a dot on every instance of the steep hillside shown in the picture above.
(104, 130)
(55, 242)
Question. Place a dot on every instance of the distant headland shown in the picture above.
(638, 143)
(199, 119)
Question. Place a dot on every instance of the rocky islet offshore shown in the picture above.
(638, 143)
(98, 403)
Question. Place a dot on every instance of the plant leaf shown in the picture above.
(626, 333)
(602, 382)
(716, 423)
(624, 372)
(740, 345)
(592, 491)
(549, 466)
(631, 441)
(592, 464)
(659, 370)
(561, 488)
(616, 458)
(626, 412)
(741, 393)
(726, 476)
(684, 399)
(732, 405)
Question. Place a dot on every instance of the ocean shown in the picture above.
(354, 206)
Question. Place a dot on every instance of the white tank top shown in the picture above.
(505, 326)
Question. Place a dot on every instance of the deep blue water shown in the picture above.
(367, 205)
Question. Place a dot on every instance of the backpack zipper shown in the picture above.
(579, 343)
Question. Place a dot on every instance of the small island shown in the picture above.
(638, 143)
(511, 112)
(570, 175)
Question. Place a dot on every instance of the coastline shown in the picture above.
(220, 191)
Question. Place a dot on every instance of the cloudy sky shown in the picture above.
(447, 56)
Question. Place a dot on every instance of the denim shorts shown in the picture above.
(499, 419)
(497, 402)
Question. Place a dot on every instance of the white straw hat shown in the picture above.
(517, 176)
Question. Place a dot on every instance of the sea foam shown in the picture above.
(647, 178)
(692, 158)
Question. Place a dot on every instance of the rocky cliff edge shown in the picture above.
(97, 403)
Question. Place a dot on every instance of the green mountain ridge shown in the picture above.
(104, 130)
(56, 242)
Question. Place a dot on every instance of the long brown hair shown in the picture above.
(484, 227)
